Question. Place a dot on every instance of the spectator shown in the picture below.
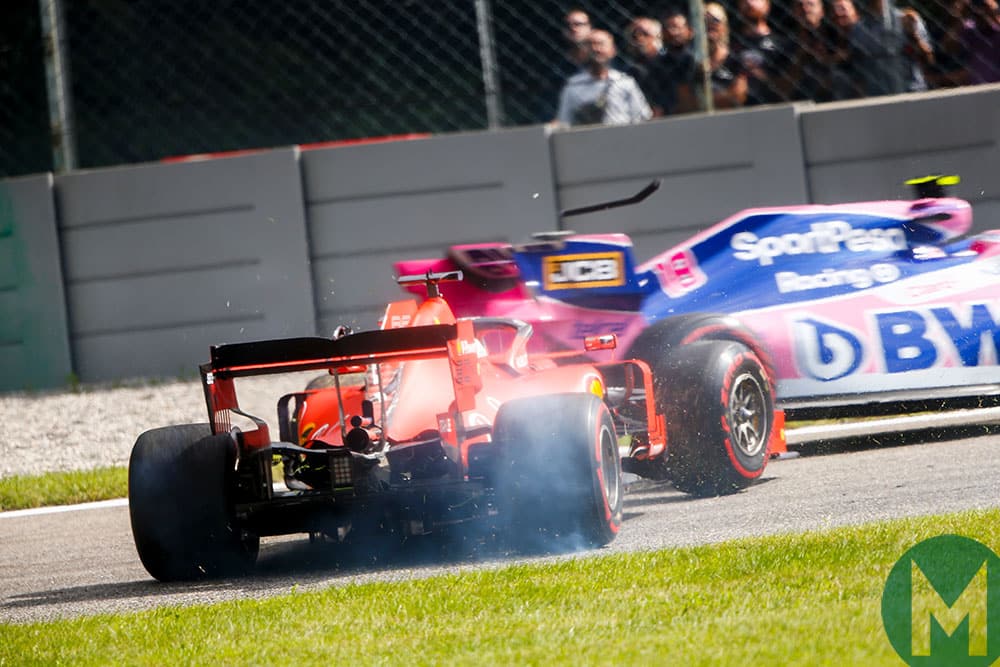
(809, 73)
(763, 53)
(569, 58)
(950, 57)
(895, 46)
(601, 93)
(877, 56)
(917, 50)
(728, 81)
(844, 79)
(981, 39)
(677, 58)
(576, 28)
(645, 47)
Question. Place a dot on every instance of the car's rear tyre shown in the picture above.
(180, 482)
(559, 481)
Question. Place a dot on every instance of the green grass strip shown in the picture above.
(809, 599)
(63, 488)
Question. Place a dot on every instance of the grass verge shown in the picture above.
(63, 488)
(791, 599)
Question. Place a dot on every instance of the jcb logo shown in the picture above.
(941, 606)
(598, 269)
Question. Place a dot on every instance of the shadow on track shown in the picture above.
(290, 562)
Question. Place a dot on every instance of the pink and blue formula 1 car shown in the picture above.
(861, 308)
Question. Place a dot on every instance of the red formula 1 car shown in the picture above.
(434, 422)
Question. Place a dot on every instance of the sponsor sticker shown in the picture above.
(966, 335)
(860, 278)
(823, 238)
(681, 274)
(584, 270)
(825, 351)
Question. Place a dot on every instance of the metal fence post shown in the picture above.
(488, 58)
(58, 85)
(701, 53)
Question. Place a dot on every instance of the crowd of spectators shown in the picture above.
(836, 50)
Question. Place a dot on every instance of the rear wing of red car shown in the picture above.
(456, 342)
(286, 355)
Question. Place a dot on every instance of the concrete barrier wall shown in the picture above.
(371, 205)
(862, 150)
(161, 261)
(34, 340)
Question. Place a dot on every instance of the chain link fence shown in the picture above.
(89, 83)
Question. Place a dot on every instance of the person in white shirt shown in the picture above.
(601, 94)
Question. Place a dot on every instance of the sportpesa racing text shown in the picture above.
(822, 238)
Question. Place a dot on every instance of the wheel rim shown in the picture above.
(748, 418)
(609, 471)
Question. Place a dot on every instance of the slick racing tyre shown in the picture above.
(719, 411)
(662, 341)
(179, 492)
(560, 480)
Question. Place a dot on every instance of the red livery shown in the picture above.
(433, 422)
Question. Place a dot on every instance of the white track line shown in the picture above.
(13, 514)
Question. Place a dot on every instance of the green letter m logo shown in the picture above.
(941, 604)
(925, 603)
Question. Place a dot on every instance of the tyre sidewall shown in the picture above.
(553, 466)
(607, 493)
(702, 456)
(180, 504)
(748, 465)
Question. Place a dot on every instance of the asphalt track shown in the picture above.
(67, 563)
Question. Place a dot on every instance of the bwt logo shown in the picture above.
(941, 603)
(903, 340)
(908, 344)
(824, 351)
(596, 269)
